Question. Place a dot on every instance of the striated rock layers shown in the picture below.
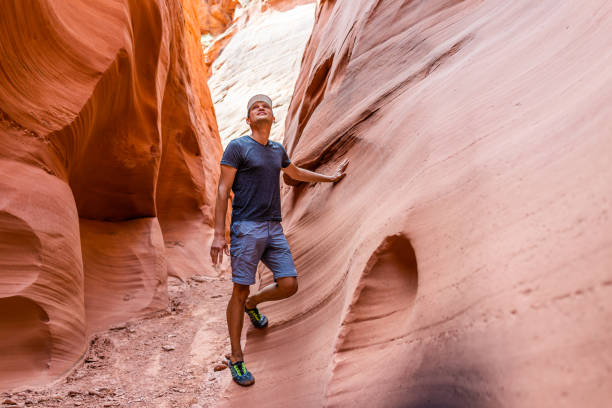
(466, 258)
(216, 15)
(259, 53)
(108, 160)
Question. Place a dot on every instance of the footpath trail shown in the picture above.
(165, 360)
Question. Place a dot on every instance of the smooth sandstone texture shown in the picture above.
(189, 169)
(42, 314)
(259, 53)
(107, 152)
(466, 258)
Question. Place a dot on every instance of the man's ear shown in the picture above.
(248, 121)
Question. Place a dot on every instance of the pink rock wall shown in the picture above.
(466, 259)
(107, 153)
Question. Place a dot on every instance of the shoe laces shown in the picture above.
(239, 368)
(255, 314)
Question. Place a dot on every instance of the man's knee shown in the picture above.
(241, 292)
(288, 285)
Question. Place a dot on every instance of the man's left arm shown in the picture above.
(300, 174)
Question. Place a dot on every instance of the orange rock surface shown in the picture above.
(216, 15)
(107, 150)
(465, 261)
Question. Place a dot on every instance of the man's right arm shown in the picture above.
(219, 244)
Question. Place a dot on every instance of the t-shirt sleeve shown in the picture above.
(232, 155)
(285, 159)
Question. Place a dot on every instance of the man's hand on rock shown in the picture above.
(340, 172)
(217, 248)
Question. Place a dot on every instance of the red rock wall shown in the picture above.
(106, 152)
(216, 15)
(189, 172)
(466, 258)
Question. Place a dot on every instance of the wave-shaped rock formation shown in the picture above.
(108, 166)
(465, 260)
(259, 53)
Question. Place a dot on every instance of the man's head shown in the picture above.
(259, 110)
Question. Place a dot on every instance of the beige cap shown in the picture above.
(258, 98)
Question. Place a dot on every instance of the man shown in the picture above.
(251, 168)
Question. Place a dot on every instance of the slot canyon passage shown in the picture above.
(465, 260)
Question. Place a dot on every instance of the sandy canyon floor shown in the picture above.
(167, 359)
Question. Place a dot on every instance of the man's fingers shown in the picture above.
(340, 174)
(216, 254)
(343, 164)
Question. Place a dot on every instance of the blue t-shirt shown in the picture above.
(257, 182)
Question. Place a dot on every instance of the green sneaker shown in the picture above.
(240, 374)
(260, 321)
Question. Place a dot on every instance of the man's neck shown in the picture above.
(261, 134)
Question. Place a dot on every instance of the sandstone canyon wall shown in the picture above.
(108, 163)
(216, 15)
(260, 52)
(466, 259)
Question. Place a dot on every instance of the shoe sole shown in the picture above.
(261, 327)
(243, 385)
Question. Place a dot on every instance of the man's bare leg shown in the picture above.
(281, 289)
(235, 319)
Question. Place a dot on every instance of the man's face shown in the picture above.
(260, 112)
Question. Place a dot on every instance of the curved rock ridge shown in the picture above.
(108, 163)
(465, 259)
(216, 15)
(259, 53)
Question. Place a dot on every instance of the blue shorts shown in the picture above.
(252, 241)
